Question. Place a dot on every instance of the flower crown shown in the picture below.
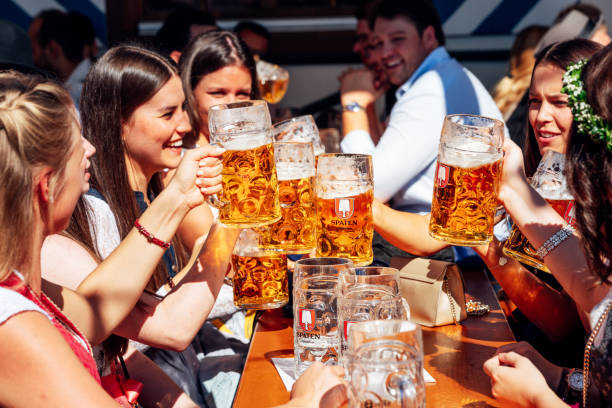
(587, 121)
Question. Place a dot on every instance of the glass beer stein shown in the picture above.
(315, 324)
(299, 129)
(467, 180)
(294, 233)
(344, 191)
(260, 277)
(249, 197)
(549, 181)
(385, 365)
(273, 81)
(368, 293)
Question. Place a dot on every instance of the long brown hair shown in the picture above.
(123, 79)
(205, 54)
(36, 130)
(559, 55)
(589, 166)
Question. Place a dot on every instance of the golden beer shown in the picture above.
(464, 203)
(260, 282)
(518, 247)
(250, 188)
(345, 227)
(295, 232)
(273, 90)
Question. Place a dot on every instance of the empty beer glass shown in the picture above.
(385, 365)
(549, 181)
(344, 193)
(294, 233)
(249, 197)
(273, 81)
(314, 311)
(370, 293)
(299, 129)
(260, 276)
(467, 180)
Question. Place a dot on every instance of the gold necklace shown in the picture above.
(587, 353)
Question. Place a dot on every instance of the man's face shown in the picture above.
(362, 36)
(258, 44)
(38, 55)
(400, 48)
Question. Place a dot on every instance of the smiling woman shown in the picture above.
(216, 67)
(550, 118)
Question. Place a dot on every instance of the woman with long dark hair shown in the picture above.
(216, 67)
(579, 260)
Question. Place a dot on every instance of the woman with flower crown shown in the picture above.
(579, 260)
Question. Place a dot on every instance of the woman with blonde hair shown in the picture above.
(44, 170)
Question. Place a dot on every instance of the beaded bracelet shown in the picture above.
(150, 237)
(554, 240)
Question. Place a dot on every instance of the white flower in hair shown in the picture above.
(587, 121)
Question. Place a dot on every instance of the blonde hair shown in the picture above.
(511, 88)
(36, 119)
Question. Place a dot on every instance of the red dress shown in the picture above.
(77, 342)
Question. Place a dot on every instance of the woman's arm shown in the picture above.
(173, 322)
(538, 221)
(169, 323)
(110, 293)
(551, 311)
(404, 230)
(40, 370)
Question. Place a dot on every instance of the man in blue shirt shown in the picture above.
(409, 41)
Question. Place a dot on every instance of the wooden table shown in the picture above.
(453, 355)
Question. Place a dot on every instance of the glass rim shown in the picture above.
(495, 122)
(346, 155)
(238, 105)
(295, 119)
(325, 261)
(388, 270)
(387, 322)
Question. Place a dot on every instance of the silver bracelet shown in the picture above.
(554, 240)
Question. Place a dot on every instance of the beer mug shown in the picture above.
(273, 81)
(294, 233)
(467, 180)
(370, 293)
(385, 365)
(299, 129)
(314, 311)
(249, 197)
(549, 181)
(344, 191)
(260, 277)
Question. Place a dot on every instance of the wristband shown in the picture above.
(554, 240)
(150, 237)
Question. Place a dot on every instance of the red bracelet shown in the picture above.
(150, 237)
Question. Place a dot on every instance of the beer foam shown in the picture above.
(328, 190)
(293, 171)
(473, 154)
(246, 142)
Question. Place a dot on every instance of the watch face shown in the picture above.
(575, 380)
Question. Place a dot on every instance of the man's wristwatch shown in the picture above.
(352, 107)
